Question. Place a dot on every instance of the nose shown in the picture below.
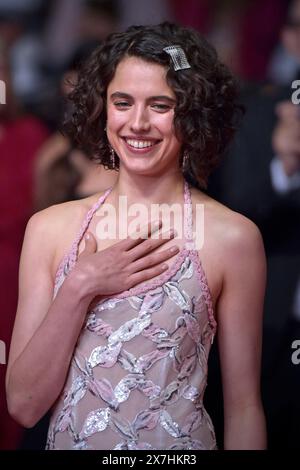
(140, 120)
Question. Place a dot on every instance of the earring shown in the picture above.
(112, 158)
(185, 160)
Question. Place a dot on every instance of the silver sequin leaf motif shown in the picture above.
(132, 445)
(135, 301)
(179, 297)
(96, 421)
(124, 387)
(207, 334)
(123, 427)
(102, 389)
(132, 382)
(192, 422)
(76, 392)
(152, 302)
(127, 360)
(186, 271)
(187, 366)
(172, 392)
(193, 321)
(169, 425)
(174, 340)
(202, 357)
(98, 326)
(64, 419)
(190, 393)
(145, 362)
(155, 333)
(146, 419)
(108, 304)
(130, 329)
(104, 356)
(149, 388)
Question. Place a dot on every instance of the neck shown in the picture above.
(167, 188)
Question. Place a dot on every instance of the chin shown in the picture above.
(139, 164)
(134, 169)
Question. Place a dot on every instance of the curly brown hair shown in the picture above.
(206, 95)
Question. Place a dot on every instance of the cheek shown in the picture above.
(115, 119)
(165, 123)
(168, 130)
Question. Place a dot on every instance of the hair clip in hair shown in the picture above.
(178, 57)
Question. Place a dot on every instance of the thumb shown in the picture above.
(90, 244)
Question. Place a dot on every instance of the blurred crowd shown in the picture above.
(42, 44)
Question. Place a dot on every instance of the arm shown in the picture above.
(46, 331)
(240, 309)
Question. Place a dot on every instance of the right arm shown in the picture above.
(46, 331)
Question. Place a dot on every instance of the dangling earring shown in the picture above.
(185, 160)
(112, 158)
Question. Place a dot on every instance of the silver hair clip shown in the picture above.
(178, 57)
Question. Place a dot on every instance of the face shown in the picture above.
(140, 115)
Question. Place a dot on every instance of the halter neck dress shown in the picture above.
(139, 369)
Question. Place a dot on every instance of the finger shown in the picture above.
(136, 238)
(154, 259)
(150, 244)
(90, 245)
(142, 276)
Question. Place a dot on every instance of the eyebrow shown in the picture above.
(119, 94)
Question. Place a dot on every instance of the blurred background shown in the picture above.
(42, 43)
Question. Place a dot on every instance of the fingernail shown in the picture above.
(174, 249)
(88, 236)
(164, 266)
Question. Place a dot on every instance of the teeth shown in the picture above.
(139, 144)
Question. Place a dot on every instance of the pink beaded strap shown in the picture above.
(194, 255)
(74, 249)
(71, 256)
(188, 213)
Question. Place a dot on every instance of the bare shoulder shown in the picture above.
(229, 233)
(232, 248)
(53, 230)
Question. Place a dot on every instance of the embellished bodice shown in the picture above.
(139, 369)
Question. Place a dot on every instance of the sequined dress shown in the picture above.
(139, 369)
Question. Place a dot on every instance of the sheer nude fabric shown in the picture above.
(139, 369)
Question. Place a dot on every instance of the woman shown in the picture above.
(120, 352)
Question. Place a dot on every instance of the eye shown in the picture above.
(122, 104)
(160, 107)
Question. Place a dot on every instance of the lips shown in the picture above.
(138, 145)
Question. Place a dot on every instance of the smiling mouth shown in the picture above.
(138, 144)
